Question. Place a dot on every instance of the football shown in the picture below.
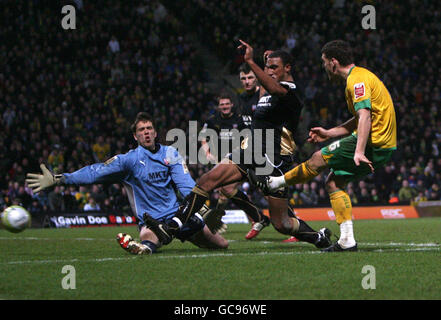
(15, 219)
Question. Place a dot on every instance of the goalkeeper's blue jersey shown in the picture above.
(152, 179)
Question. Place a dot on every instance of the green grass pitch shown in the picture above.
(405, 255)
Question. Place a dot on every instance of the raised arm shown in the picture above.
(269, 84)
(112, 170)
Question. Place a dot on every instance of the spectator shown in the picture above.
(406, 193)
(56, 201)
(364, 197)
(374, 197)
(91, 205)
(308, 196)
(114, 45)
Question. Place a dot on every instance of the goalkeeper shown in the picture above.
(152, 174)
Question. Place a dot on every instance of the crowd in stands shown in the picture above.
(68, 97)
(407, 59)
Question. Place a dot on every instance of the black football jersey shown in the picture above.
(280, 113)
(248, 104)
(226, 137)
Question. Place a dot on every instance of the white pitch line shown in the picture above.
(374, 244)
(401, 244)
(51, 239)
(202, 256)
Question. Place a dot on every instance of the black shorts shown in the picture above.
(188, 230)
(276, 166)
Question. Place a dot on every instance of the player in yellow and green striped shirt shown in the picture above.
(369, 139)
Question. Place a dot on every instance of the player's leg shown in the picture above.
(222, 174)
(209, 240)
(339, 157)
(223, 200)
(198, 233)
(342, 207)
(289, 224)
(242, 201)
(307, 170)
(302, 173)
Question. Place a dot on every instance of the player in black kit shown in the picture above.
(250, 97)
(224, 123)
(275, 120)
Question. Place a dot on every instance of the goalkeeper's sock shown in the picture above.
(191, 204)
(300, 174)
(241, 200)
(150, 244)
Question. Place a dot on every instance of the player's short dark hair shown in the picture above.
(224, 95)
(144, 117)
(245, 68)
(283, 55)
(339, 50)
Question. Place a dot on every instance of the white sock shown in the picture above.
(277, 182)
(346, 235)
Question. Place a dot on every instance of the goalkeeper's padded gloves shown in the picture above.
(38, 182)
(213, 219)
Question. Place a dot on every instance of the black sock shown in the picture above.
(150, 244)
(306, 233)
(191, 204)
(241, 200)
(221, 204)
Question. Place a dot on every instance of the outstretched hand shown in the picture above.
(38, 182)
(317, 135)
(248, 55)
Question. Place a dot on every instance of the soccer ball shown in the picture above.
(15, 219)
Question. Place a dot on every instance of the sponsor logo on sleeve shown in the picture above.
(359, 90)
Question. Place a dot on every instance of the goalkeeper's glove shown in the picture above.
(38, 182)
(213, 219)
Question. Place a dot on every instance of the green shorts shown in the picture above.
(339, 156)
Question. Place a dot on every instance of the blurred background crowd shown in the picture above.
(68, 97)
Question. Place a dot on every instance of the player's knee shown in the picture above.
(334, 184)
(316, 162)
(330, 187)
(227, 192)
(147, 234)
(283, 226)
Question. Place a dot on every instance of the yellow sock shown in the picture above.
(342, 206)
(300, 174)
